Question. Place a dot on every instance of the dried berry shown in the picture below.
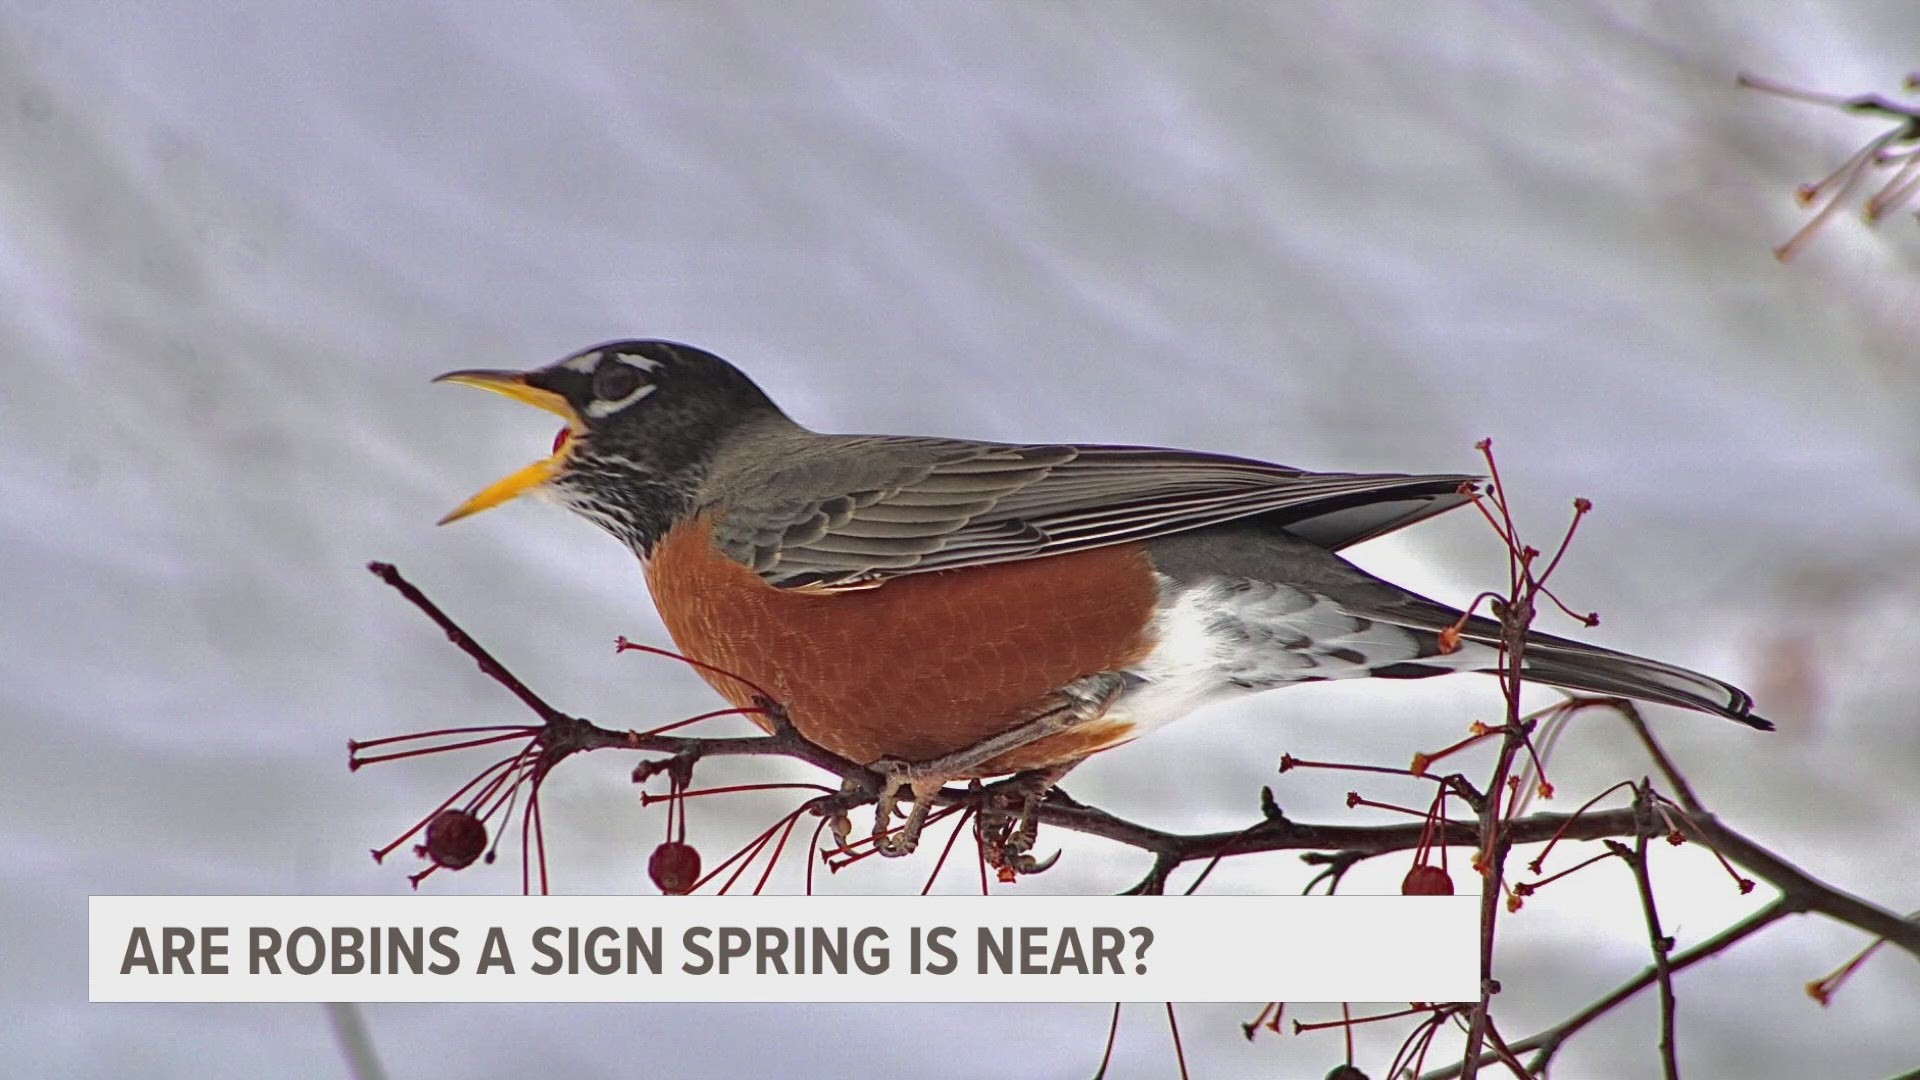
(674, 867)
(455, 838)
(1427, 880)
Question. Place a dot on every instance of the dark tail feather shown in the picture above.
(1589, 669)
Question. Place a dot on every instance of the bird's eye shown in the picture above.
(615, 381)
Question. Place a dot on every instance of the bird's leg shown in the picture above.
(1079, 702)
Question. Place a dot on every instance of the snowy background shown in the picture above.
(237, 240)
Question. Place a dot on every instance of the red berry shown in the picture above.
(1426, 880)
(455, 838)
(674, 867)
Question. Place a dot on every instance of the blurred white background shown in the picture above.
(236, 241)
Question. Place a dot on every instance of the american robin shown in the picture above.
(942, 609)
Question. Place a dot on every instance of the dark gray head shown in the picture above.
(643, 421)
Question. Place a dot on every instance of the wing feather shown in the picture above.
(924, 505)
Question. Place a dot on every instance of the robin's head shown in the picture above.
(642, 417)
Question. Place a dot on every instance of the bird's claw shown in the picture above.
(1024, 863)
(902, 778)
(1010, 822)
(838, 820)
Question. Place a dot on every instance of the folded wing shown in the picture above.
(866, 508)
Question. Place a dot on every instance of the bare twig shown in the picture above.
(1179, 1051)
(1893, 149)
(350, 1031)
(1546, 1043)
(1106, 1056)
(1661, 944)
(1676, 780)
(1516, 614)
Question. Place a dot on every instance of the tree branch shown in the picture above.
(1336, 847)
(1548, 1042)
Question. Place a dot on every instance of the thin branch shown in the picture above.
(494, 669)
(350, 1031)
(1682, 791)
(1807, 891)
(1515, 613)
(1179, 1052)
(1106, 1056)
(1661, 944)
(1548, 1042)
(1892, 149)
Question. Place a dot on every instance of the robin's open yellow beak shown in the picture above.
(513, 384)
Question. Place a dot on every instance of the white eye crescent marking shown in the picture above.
(600, 409)
(645, 365)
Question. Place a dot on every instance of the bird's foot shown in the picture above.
(1080, 702)
(1009, 821)
(921, 781)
